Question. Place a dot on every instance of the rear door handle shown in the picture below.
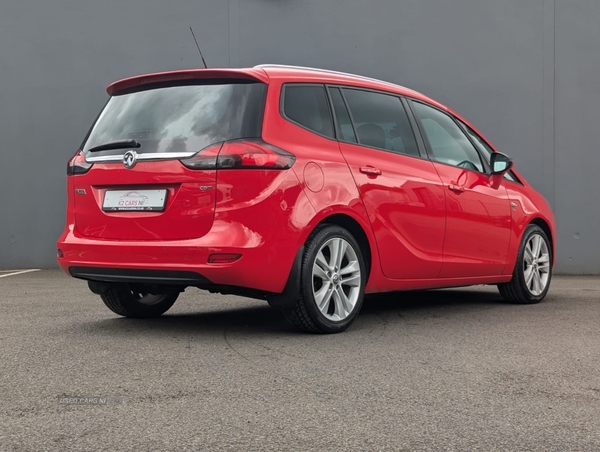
(456, 188)
(370, 170)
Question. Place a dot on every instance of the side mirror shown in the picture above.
(500, 163)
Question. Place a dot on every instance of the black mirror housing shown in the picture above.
(500, 163)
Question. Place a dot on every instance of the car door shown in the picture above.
(401, 191)
(478, 216)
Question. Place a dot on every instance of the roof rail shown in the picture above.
(361, 77)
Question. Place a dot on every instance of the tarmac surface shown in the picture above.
(448, 370)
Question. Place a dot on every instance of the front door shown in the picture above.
(478, 216)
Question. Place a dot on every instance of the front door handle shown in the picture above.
(370, 171)
(456, 188)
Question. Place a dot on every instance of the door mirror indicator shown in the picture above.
(500, 163)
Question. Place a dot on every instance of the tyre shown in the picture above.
(122, 300)
(533, 271)
(332, 282)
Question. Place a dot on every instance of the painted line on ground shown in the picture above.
(20, 272)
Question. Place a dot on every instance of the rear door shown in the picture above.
(401, 191)
(141, 190)
(478, 221)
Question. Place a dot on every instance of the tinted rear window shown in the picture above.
(181, 118)
(309, 107)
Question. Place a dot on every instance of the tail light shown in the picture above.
(206, 159)
(241, 154)
(78, 165)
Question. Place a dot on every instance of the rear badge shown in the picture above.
(205, 187)
(514, 206)
(80, 191)
(129, 159)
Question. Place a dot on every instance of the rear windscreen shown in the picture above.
(181, 118)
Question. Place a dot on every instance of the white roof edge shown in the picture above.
(358, 77)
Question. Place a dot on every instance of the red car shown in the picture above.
(303, 187)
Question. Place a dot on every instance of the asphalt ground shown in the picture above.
(449, 370)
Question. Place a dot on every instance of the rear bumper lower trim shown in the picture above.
(130, 275)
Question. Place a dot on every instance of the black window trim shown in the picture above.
(329, 105)
(336, 125)
(488, 170)
(484, 163)
(422, 154)
(463, 126)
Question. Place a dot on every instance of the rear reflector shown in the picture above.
(241, 154)
(78, 165)
(223, 258)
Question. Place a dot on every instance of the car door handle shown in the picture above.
(456, 188)
(370, 170)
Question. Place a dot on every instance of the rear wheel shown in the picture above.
(129, 301)
(332, 282)
(533, 271)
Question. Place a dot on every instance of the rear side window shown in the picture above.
(381, 121)
(308, 106)
(181, 118)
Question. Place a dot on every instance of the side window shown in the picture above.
(483, 147)
(308, 106)
(381, 121)
(447, 142)
(346, 131)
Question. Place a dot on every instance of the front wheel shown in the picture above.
(133, 302)
(533, 271)
(332, 282)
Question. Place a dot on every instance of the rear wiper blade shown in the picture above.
(123, 144)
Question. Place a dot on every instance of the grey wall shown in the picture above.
(526, 73)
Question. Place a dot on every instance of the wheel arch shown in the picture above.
(546, 228)
(357, 231)
(292, 287)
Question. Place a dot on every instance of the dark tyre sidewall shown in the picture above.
(323, 323)
(129, 306)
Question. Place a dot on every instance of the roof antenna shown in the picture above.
(200, 51)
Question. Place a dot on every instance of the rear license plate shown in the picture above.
(125, 200)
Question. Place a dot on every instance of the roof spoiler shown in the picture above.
(130, 84)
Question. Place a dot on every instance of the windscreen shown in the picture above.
(180, 118)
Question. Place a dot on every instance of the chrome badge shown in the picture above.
(129, 159)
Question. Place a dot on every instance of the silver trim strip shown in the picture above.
(328, 71)
(147, 157)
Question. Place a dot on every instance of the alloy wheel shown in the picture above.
(148, 299)
(336, 279)
(536, 264)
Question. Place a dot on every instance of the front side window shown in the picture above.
(181, 118)
(308, 106)
(448, 144)
(483, 147)
(381, 121)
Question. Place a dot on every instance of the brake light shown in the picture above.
(241, 154)
(78, 165)
(254, 154)
(206, 159)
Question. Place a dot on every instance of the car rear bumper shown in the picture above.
(182, 262)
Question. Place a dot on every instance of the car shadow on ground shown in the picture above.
(261, 319)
